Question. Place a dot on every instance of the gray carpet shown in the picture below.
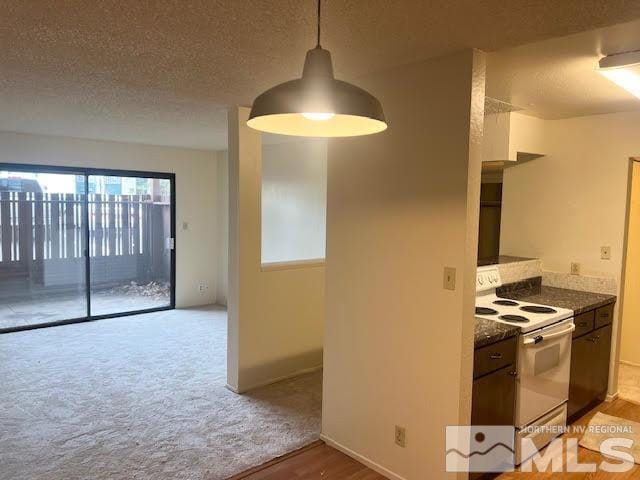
(141, 397)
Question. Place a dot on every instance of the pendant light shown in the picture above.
(317, 105)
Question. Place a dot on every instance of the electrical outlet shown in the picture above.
(575, 268)
(605, 253)
(401, 436)
(203, 287)
(449, 280)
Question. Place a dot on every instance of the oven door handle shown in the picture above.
(542, 338)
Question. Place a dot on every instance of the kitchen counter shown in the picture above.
(488, 332)
(501, 260)
(574, 300)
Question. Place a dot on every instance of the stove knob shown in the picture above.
(481, 281)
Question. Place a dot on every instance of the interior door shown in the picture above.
(130, 243)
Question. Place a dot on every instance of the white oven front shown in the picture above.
(544, 364)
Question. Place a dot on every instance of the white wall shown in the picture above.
(196, 187)
(294, 200)
(402, 205)
(275, 314)
(563, 207)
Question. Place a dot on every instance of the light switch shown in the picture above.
(185, 225)
(449, 281)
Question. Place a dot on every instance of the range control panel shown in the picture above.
(488, 278)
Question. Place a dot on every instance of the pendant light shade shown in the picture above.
(317, 105)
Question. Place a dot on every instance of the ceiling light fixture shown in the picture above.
(317, 105)
(623, 69)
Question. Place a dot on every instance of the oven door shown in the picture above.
(544, 364)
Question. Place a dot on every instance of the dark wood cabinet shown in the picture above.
(494, 398)
(581, 392)
(604, 316)
(494, 357)
(494, 385)
(590, 355)
(601, 340)
(584, 323)
(494, 388)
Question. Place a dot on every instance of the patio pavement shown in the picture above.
(33, 311)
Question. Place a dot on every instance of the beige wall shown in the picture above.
(196, 186)
(563, 207)
(275, 315)
(402, 205)
(294, 200)
(223, 228)
(630, 338)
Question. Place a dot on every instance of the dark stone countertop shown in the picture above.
(483, 262)
(574, 300)
(489, 331)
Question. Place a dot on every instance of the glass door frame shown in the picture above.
(86, 172)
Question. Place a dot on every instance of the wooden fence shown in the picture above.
(41, 228)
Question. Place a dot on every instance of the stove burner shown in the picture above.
(514, 318)
(485, 311)
(537, 309)
(506, 303)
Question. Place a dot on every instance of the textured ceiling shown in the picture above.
(163, 71)
(557, 78)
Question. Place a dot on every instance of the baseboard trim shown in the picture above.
(361, 458)
(297, 373)
(233, 389)
(631, 364)
(611, 397)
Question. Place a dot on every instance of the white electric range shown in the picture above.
(527, 316)
(544, 359)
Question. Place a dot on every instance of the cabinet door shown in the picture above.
(494, 398)
(581, 386)
(602, 345)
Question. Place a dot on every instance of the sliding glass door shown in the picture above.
(42, 262)
(82, 244)
(130, 243)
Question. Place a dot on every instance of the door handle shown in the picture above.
(541, 338)
(495, 356)
(594, 339)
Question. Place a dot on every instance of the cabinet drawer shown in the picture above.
(604, 315)
(493, 357)
(584, 323)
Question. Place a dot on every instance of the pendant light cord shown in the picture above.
(319, 9)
